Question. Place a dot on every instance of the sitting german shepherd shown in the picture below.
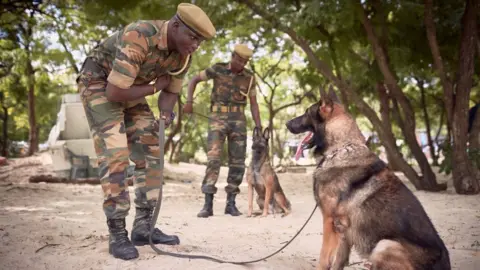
(363, 203)
(262, 178)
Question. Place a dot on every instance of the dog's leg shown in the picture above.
(268, 195)
(274, 205)
(342, 253)
(250, 198)
(330, 243)
(282, 202)
(390, 255)
(340, 224)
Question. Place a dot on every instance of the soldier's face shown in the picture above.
(237, 63)
(186, 41)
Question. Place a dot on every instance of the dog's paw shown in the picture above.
(323, 266)
(286, 214)
(264, 215)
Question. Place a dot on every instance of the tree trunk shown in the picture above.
(438, 63)
(280, 149)
(423, 103)
(387, 123)
(70, 58)
(429, 181)
(464, 177)
(440, 127)
(178, 150)
(271, 115)
(173, 151)
(32, 134)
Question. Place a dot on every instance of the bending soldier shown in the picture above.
(113, 84)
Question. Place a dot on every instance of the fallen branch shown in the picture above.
(62, 180)
(46, 245)
(24, 187)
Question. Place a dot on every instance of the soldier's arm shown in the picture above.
(255, 111)
(254, 105)
(133, 48)
(117, 94)
(169, 96)
(204, 75)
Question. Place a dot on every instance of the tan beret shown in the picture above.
(196, 19)
(243, 51)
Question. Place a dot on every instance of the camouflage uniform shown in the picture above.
(136, 55)
(228, 100)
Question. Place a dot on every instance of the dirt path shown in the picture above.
(70, 219)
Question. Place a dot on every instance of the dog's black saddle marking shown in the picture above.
(362, 178)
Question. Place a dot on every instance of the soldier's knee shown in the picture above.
(209, 189)
(237, 171)
(214, 164)
(117, 205)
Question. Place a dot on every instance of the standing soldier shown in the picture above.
(233, 84)
(113, 83)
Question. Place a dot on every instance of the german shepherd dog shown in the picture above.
(363, 203)
(262, 178)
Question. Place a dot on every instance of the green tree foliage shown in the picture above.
(376, 54)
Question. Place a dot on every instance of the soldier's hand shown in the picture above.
(162, 82)
(188, 108)
(168, 117)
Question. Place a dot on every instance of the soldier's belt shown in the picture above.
(226, 109)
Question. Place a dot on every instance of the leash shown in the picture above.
(158, 205)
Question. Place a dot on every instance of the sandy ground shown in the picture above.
(70, 221)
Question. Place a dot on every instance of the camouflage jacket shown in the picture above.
(229, 88)
(139, 54)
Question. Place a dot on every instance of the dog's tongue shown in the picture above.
(300, 146)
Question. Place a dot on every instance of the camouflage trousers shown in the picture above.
(122, 131)
(232, 126)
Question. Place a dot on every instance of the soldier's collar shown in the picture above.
(239, 73)
(163, 37)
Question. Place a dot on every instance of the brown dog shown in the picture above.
(262, 178)
(363, 203)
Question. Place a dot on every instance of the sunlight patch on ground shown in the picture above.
(27, 209)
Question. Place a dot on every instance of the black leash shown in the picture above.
(159, 204)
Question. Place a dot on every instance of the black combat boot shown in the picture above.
(207, 209)
(141, 230)
(119, 245)
(230, 208)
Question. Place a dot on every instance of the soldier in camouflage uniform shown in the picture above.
(113, 83)
(233, 86)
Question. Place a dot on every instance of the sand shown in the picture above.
(67, 222)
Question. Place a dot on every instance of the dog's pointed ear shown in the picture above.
(325, 108)
(266, 133)
(255, 132)
(332, 95)
(323, 93)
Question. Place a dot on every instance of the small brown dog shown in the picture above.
(363, 203)
(262, 178)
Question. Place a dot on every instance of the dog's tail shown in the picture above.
(289, 205)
